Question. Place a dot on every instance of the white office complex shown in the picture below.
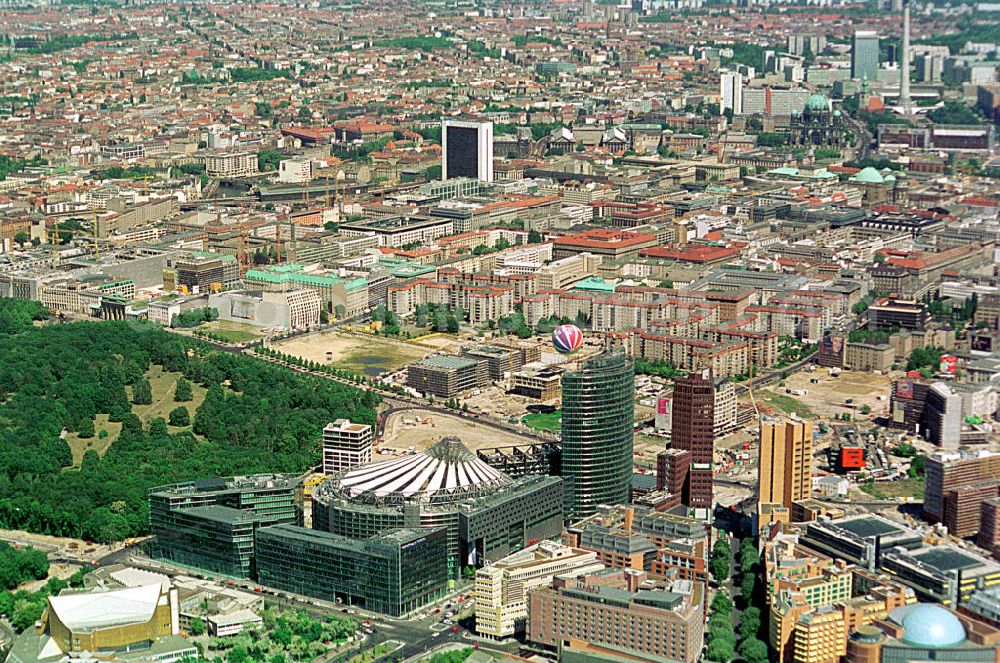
(467, 149)
(502, 589)
(731, 92)
(346, 445)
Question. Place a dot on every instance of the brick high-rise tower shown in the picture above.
(692, 430)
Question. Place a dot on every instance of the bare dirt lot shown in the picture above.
(420, 435)
(442, 342)
(827, 397)
(369, 355)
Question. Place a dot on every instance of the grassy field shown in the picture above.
(784, 403)
(550, 421)
(162, 384)
(234, 332)
(376, 652)
(368, 355)
(887, 490)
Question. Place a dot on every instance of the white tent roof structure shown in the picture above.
(448, 467)
(94, 610)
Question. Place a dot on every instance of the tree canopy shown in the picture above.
(256, 417)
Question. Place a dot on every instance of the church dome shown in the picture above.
(817, 102)
(868, 176)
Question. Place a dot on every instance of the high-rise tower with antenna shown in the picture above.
(904, 70)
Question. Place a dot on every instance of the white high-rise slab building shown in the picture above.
(731, 92)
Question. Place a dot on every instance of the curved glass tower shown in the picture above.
(597, 420)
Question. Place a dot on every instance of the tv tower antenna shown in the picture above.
(904, 74)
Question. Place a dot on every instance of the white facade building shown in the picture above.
(731, 92)
(501, 589)
(346, 445)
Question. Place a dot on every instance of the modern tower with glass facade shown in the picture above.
(597, 421)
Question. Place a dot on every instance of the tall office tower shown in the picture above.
(467, 149)
(947, 472)
(597, 421)
(785, 472)
(904, 70)
(864, 55)
(346, 445)
(731, 92)
(692, 429)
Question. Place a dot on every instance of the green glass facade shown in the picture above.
(477, 530)
(395, 573)
(213, 538)
(597, 428)
(210, 524)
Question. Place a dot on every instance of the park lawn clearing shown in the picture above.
(162, 384)
(786, 404)
(79, 446)
(546, 421)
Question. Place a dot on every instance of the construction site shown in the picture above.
(413, 430)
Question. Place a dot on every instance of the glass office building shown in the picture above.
(210, 524)
(597, 422)
(395, 573)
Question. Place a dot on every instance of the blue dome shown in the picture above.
(929, 625)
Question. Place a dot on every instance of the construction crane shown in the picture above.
(753, 401)
(277, 235)
(54, 235)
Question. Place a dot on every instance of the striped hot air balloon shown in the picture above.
(566, 338)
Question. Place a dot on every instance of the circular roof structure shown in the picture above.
(817, 102)
(867, 634)
(868, 176)
(446, 472)
(929, 625)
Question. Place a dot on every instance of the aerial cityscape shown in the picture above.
(496, 331)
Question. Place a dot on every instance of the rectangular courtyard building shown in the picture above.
(447, 376)
(611, 608)
(394, 572)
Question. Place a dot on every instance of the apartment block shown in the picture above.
(231, 164)
(563, 273)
